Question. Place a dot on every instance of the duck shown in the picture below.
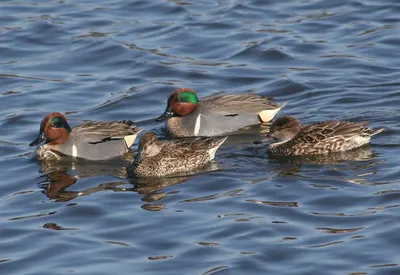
(294, 139)
(164, 158)
(215, 115)
(93, 140)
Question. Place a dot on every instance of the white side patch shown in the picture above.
(360, 141)
(197, 125)
(212, 152)
(129, 140)
(74, 151)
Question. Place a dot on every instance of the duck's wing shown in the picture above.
(231, 105)
(101, 131)
(327, 130)
(217, 115)
(194, 144)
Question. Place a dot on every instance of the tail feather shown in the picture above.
(213, 150)
(220, 141)
(377, 131)
(129, 140)
(281, 105)
(268, 115)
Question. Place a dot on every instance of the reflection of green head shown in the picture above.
(59, 122)
(187, 96)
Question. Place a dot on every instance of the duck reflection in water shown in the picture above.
(88, 168)
(359, 154)
(54, 186)
(354, 166)
(59, 175)
(151, 188)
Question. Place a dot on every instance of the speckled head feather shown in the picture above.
(148, 145)
(284, 128)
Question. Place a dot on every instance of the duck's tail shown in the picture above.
(218, 142)
(377, 131)
(268, 115)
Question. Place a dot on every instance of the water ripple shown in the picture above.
(252, 213)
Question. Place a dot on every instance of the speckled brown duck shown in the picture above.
(319, 138)
(162, 158)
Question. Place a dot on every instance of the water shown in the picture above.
(106, 60)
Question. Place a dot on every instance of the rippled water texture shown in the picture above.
(107, 60)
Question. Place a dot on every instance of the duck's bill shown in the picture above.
(264, 140)
(167, 114)
(38, 140)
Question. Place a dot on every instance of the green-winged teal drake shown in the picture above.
(318, 138)
(162, 158)
(215, 115)
(94, 140)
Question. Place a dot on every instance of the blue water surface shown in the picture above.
(254, 214)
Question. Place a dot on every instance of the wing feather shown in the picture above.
(101, 131)
(228, 105)
(327, 130)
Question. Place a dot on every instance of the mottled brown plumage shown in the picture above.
(161, 158)
(318, 138)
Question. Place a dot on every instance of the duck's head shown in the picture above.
(148, 146)
(54, 129)
(180, 103)
(284, 128)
